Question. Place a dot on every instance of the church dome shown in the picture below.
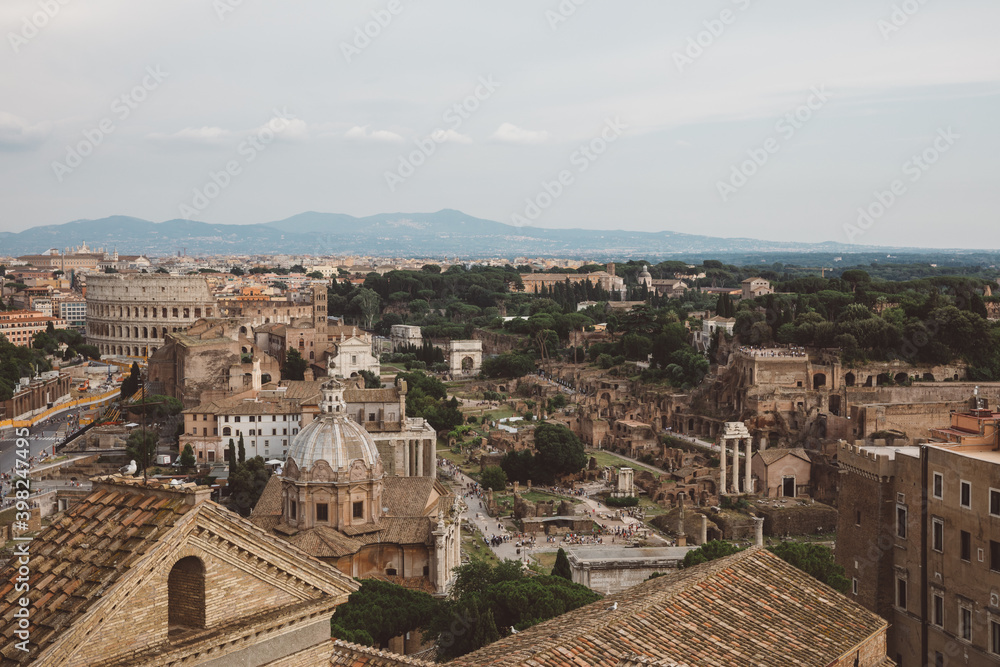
(645, 272)
(333, 437)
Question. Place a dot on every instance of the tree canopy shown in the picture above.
(379, 611)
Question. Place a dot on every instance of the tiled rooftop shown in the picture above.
(751, 608)
(77, 558)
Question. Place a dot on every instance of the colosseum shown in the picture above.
(129, 315)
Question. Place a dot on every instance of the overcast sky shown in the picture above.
(124, 107)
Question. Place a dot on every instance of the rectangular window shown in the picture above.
(322, 512)
(965, 494)
(294, 506)
(937, 609)
(857, 518)
(938, 659)
(900, 521)
(966, 546)
(994, 637)
(854, 585)
(965, 623)
(937, 489)
(359, 509)
(995, 502)
(937, 535)
(995, 556)
(901, 593)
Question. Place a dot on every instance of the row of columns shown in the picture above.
(734, 484)
(416, 463)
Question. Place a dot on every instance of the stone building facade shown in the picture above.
(132, 314)
(184, 581)
(919, 536)
(336, 500)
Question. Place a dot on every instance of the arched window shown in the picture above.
(227, 430)
(186, 594)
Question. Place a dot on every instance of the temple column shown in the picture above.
(722, 468)
(736, 466)
(420, 458)
(747, 481)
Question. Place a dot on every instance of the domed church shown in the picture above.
(334, 501)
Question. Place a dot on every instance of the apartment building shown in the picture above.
(919, 536)
(20, 326)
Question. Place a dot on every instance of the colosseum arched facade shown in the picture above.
(129, 314)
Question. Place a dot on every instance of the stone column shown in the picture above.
(758, 531)
(747, 481)
(722, 468)
(704, 530)
(420, 458)
(736, 466)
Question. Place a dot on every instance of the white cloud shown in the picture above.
(450, 136)
(211, 136)
(510, 133)
(362, 132)
(293, 129)
(16, 134)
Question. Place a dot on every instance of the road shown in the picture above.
(41, 437)
(474, 513)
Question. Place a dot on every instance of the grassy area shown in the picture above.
(541, 496)
(495, 413)
(473, 547)
(608, 459)
(650, 508)
(546, 560)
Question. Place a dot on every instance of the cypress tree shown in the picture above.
(562, 568)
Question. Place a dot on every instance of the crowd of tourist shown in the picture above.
(756, 351)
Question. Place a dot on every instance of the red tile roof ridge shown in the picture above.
(368, 650)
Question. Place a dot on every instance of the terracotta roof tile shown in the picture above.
(72, 560)
(751, 608)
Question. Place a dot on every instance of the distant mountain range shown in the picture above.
(446, 233)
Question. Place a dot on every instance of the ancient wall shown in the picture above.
(810, 519)
(497, 343)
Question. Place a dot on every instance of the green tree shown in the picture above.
(508, 365)
(562, 568)
(372, 381)
(558, 452)
(130, 385)
(295, 365)
(815, 560)
(709, 551)
(231, 458)
(242, 451)
(487, 598)
(379, 611)
(368, 304)
(134, 446)
(187, 456)
(493, 477)
(247, 484)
